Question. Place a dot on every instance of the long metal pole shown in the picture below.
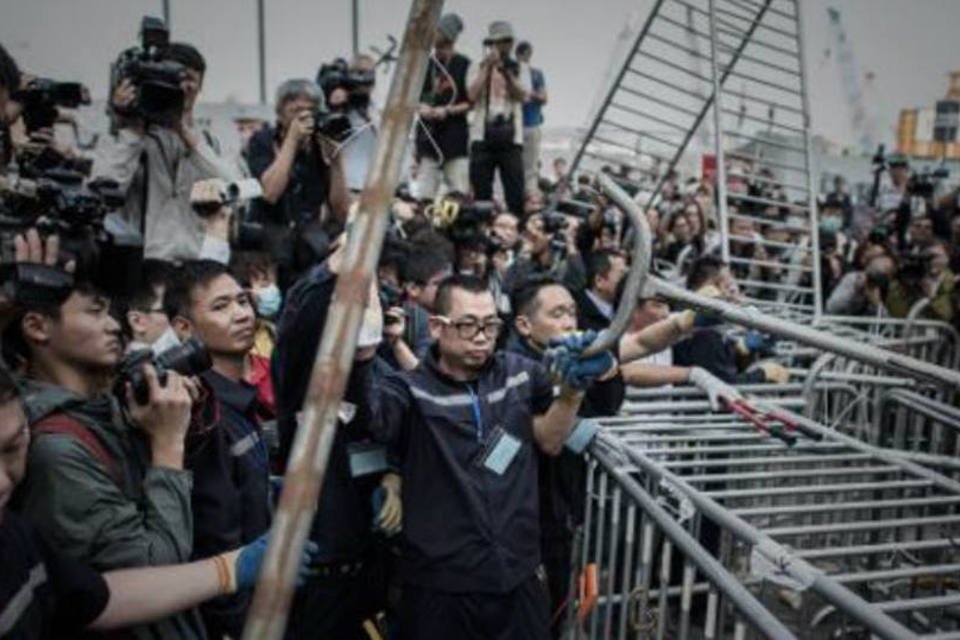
(721, 171)
(811, 192)
(355, 25)
(166, 13)
(262, 51)
(328, 380)
(861, 351)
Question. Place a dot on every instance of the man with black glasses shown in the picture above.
(463, 428)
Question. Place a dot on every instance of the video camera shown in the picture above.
(188, 359)
(923, 184)
(462, 221)
(41, 97)
(35, 160)
(106, 249)
(357, 84)
(246, 234)
(159, 96)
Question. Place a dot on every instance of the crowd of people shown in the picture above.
(148, 408)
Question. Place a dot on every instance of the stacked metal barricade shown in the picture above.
(828, 507)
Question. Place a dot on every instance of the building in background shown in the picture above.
(932, 132)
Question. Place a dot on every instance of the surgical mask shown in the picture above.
(268, 300)
(167, 340)
(830, 224)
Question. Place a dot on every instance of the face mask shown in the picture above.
(268, 300)
(830, 224)
(167, 340)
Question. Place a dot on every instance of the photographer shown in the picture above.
(156, 163)
(66, 598)
(468, 566)
(300, 175)
(497, 89)
(443, 137)
(548, 248)
(104, 485)
(348, 89)
(532, 121)
(228, 456)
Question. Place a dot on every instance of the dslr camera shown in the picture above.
(41, 97)
(188, 359)
(159, 96)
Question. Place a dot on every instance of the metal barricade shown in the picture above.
(731, 70)
(834, 537)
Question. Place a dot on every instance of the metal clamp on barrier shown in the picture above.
(582, 435)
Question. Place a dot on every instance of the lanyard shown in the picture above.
(475, 402)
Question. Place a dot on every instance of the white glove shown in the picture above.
(715, 388)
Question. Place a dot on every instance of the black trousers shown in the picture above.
(555, 551)
(336, 606)
(521, 614)
(484, 161)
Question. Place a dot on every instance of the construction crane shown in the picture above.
(862, 121)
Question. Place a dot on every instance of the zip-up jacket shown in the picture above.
(467, 528)
(82, 510)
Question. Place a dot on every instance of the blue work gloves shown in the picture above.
(758, 343)
(567, 364)
(244, 563)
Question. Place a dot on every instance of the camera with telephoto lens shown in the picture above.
(41, 97)
(334, 125)
(575, 207)
(188, 359)
(555, 225)
(157, 80)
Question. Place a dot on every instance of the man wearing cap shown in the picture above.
(497, 88)
(444, 135)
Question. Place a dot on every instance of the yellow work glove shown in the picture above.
(390, 517)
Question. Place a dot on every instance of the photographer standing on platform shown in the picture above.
(497, 88)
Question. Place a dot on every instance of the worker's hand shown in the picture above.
(716, 389)
(390, 514)
(774, 372)
(574, 343)
(240, 568)
(755, 342)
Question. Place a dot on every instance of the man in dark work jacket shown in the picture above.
(544, 309)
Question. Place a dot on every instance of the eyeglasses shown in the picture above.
(468, 328)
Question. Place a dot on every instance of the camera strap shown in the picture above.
(144, 193)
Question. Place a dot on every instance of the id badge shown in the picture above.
(500, 451)
(366, 458)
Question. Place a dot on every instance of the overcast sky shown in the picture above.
(909, 45)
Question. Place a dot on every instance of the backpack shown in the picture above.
(61, 423)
